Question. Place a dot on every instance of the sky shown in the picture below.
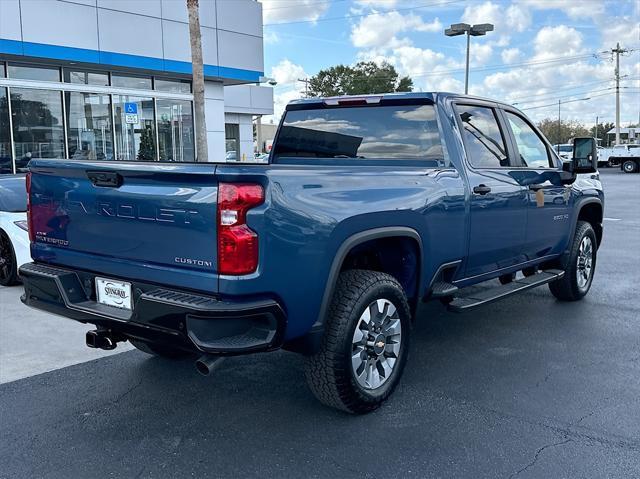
(541, 52)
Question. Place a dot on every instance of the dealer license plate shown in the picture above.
(113, 293)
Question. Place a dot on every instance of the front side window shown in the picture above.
(404, 132)
(38, 130)
(483, 140)
(531, 148)
(89, 126)
(135, 133)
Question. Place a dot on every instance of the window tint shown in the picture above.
(39, 73)
(86, 77)
(126, 81)
(483, 140)
(172, 86)
(533, 151)
(408, 132)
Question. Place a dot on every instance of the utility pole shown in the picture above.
(306, 86)
(617, 50)
(596, 135)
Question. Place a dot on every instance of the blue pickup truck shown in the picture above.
(368, 206)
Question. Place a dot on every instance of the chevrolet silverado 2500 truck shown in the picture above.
(368, 206)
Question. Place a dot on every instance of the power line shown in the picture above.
(569, 101)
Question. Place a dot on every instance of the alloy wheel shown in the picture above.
(376, 344)
(585, 262)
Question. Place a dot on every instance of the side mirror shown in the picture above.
(585, 155)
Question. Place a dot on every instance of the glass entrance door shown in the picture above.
(175, 130)
(135, 134)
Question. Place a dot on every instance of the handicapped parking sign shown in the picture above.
(131, 108)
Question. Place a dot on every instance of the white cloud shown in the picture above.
(380, 30)
(276, 11)
(573, 8)
(287, 72)
(558, 41)
(377, 3)
(480, 53)
(625, 30)
(511, 19)
(511, 55)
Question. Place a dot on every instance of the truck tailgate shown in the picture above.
(147, 221)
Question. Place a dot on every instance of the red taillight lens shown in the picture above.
(237, 243)
(29, 215)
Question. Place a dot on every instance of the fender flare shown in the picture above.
(347, 245)
(581, 203)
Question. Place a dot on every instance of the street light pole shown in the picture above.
(466, 73)
(470, 31)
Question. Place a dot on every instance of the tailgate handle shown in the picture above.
(109, 179)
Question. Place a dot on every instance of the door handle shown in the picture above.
(109, 179)
(481, 189)
(536, 187)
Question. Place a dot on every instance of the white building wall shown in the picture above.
(215, 118)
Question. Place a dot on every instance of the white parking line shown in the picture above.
(613, 219)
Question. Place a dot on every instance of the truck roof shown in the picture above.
(378, 97)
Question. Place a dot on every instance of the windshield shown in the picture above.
(13, 193)
(408, 132)
(565, 148)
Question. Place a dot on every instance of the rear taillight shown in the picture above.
(29, 215)
(237, 243)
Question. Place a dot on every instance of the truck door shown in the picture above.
(549, 201)
(498, 211)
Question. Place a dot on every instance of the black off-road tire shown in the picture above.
(329, 372)
(567, 288)
(158, 350)
(8, 263)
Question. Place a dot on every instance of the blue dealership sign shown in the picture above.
(131, 108)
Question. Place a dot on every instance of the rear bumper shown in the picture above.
(179, 319)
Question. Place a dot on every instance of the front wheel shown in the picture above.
(579, 265)
(8, 263)
(365, 344)
(629, 166)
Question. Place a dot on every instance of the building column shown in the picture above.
(214, 115)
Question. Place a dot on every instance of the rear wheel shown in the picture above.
(158, 350)
(579, 265)
(629, 166)
(365, 343)
(8, 263)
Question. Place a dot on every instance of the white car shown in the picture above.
(565, 151)
(14, 236)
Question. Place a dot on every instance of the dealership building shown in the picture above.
(110, 80)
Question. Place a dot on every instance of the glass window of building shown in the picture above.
(38, 130)
(172, 86)
(135, 133)
(2, 72)
(86, 77)
(127, 81)
(33, 72)
(89, 130)
(175, 130)
(232, 141)
(5, 142)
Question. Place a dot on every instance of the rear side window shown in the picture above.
(532, 149)
(483, 140)
(406, 132)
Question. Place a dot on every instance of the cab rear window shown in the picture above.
(405, 132)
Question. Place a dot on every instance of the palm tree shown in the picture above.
(198, 80)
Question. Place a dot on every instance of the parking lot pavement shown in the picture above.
(526, 387)
(34, 342)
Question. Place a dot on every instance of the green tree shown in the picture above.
(602, 130)
(362, 78)
(562, 132)
(147, 151)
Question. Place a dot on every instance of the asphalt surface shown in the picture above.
(526, 387)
